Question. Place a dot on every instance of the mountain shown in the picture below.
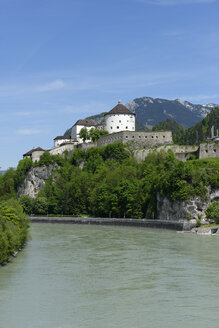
(201, 131)
(150, 111)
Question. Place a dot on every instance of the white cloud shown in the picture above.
(54, 85)
(176, 2)
(29, 132)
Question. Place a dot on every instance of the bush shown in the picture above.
(212, 211)
(13, 228)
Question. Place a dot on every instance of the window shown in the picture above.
(157, 137)
(145, 137)
(119, 121)
(152, 137)
(139, 137)
(133, 136)
(117, 127)
(111, 127)
(127, 120)
(126, 127)
(163, 136)
(126, 137)
(215, 150)
(206, 151)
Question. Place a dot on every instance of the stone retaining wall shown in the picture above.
(159, 224)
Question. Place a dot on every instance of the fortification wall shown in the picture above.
(181, 152)
(137, 139)
(209, 150)
(36, 155)
(60, 150)
(86, 146)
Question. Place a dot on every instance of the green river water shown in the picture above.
(74, 276)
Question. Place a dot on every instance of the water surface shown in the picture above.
(74, 276)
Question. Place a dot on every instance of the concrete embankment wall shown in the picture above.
(172, 225)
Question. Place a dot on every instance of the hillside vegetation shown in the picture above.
(13, 228)
(201, 131)
(112, 184)
(13, 221)
(170, 125)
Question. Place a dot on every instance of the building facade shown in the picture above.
(59, 140)
(80, 124)
(119, 119)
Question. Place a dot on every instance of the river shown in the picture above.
(81, 276)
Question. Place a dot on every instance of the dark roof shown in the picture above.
(120, 109)
(62, 137)
(85, 122)
(30, 152)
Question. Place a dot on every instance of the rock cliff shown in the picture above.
(192, 209)
(35, 180)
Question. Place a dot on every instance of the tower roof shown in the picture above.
(120, 109)
(30, 152)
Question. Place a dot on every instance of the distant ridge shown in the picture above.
(150, 111)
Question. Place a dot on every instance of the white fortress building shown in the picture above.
(119, 119)
(81, 124)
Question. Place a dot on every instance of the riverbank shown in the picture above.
(159, 224)
(12, 256)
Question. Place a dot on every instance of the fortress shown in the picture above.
(120, 125)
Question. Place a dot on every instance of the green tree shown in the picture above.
(95, 134)
(84, 134)
(212, 211)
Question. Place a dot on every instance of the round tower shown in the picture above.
(120, 118)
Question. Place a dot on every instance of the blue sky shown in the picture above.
(62, 60)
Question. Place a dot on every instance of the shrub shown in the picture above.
(212, 211)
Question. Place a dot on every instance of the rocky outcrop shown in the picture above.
(192, 209)
(35, 180)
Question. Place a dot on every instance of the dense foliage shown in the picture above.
(93, 134)
(170, 125)
(212, 212)
(13, 228)
(108, 182)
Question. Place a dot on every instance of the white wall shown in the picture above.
(58, 142)
(120, 122)
(76, 130)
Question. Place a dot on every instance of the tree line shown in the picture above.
(195, 135)
(109, 182)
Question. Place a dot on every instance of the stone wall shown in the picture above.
(181, 152)
(60, 150)
(137, 139)
(36, 155)
(209, 150)
(86, 146)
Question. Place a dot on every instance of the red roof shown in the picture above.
(120, 109)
